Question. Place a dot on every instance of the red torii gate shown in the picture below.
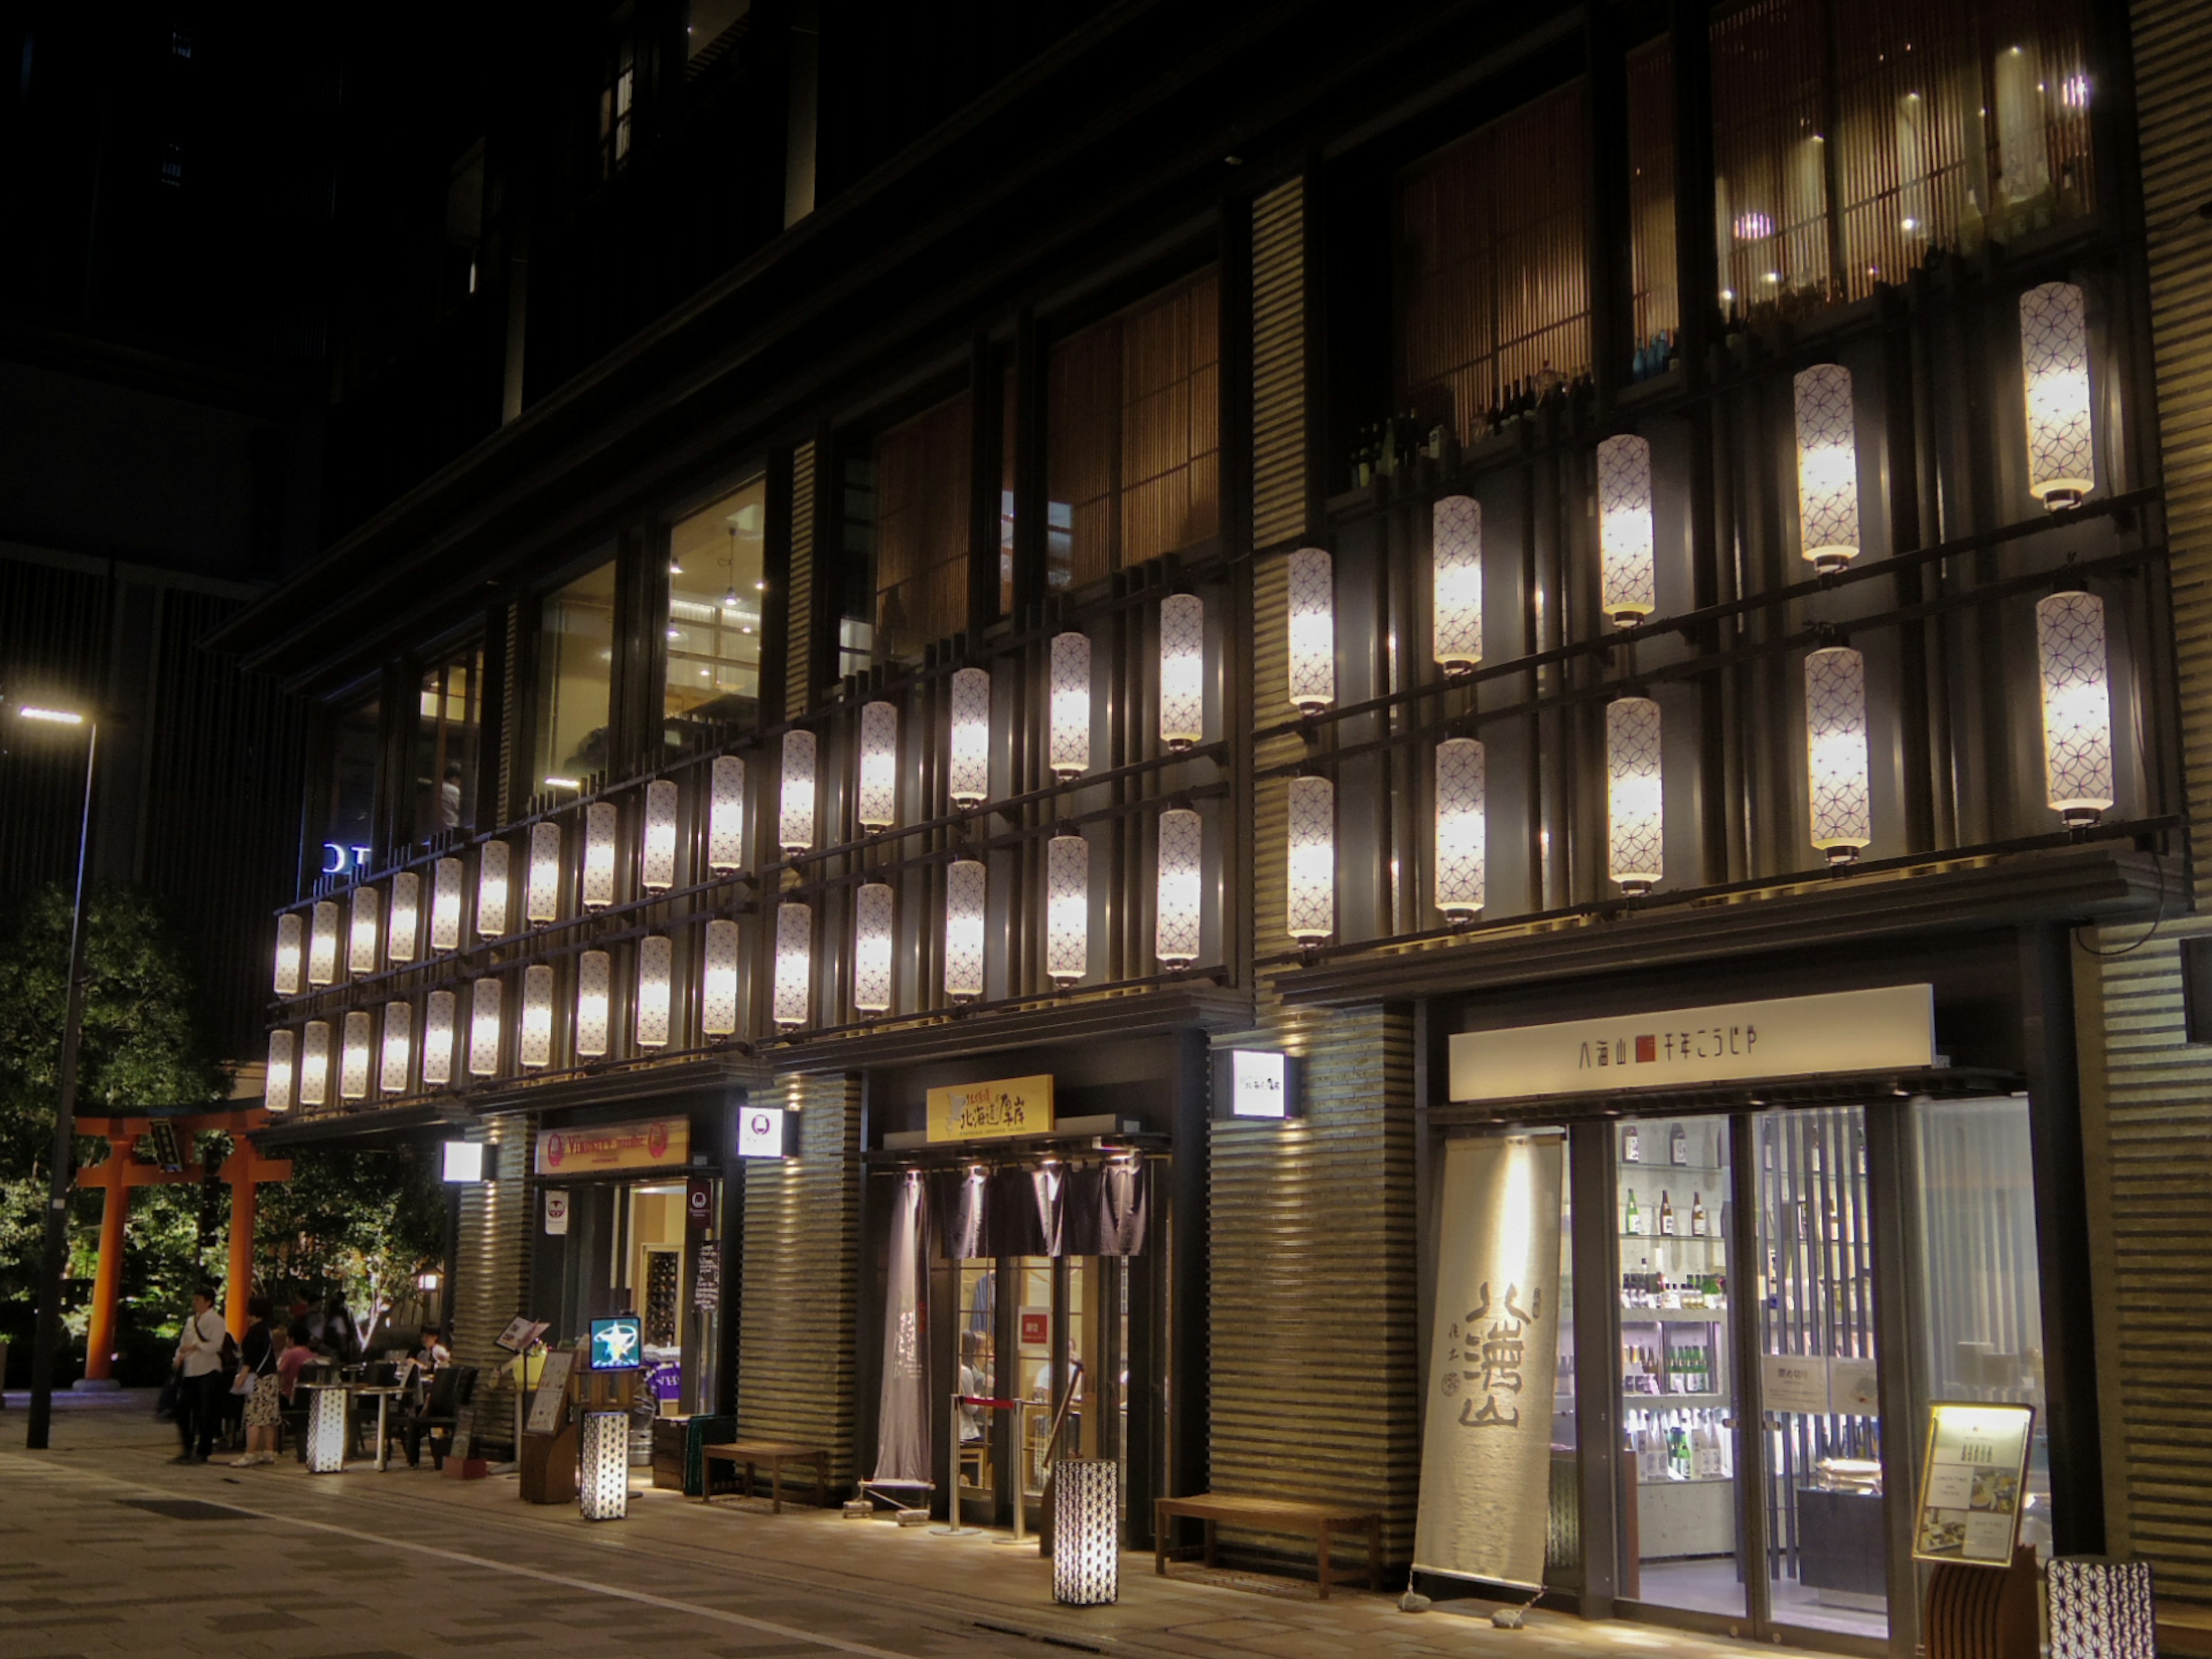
(120, 1170)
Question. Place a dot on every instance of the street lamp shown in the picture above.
(47, 1345)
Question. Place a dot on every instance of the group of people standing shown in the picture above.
(260, 1371)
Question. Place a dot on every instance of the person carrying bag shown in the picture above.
(201, 1347)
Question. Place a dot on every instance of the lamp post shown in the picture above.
(47, 1345)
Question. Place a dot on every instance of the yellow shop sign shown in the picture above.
(981, 1111)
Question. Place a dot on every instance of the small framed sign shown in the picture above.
(1973, 1483)
(1256, 1084)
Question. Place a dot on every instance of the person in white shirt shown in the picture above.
(200, 1379)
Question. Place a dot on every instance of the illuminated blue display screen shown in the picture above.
(617, 1345)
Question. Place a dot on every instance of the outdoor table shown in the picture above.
(384, 1392)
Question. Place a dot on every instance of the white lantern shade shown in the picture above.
(353, 1058)
(1635, 794)
(1182, 670)
(533, 1048)
(875, 801)
(440, 1020)
(726, 814)
(1462, 828)
(315, 1063)
(1827, 467)
(1310, 901)
(323, 943)
(1179, 891)
(795, 819)
(2054, 354)
(718, 981)
(542, 897)
(602, 1466)
(398, 1046)
(492, 890)
(403, 932)
(792, 998)
(1068, 908)
(1839, 801)
(1313, 629)
(656, 864)
(483, 1027)
(1628, 577)
(278, 1082)
(595, 984)
(2077, 706)
(602, 832)
(656, 974)
(360, 944)
(1069, 742)
(968, 769)
(875, 910)
(1086, 1532)
(326, 1429)
(291, 948)
(966, 889)
(447, 878)
(1455, 595)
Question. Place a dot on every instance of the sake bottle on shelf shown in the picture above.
(1696, 1215)
(1678, 1146)
(1666, 1215)
(1631, 1146)
(1635, 1224)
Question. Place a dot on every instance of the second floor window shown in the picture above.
(714, 588)
(575, 669)
(348, 804)
(448, 727)
(906, 538)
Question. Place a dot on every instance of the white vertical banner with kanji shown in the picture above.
(1487, 1448)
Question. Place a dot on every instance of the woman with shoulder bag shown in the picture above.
(258, 1385)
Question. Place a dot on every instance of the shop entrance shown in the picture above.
(632, 1247)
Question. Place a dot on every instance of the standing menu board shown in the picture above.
(1971, 1487)
(552, 1391)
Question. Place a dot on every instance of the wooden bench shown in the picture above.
(1321, 1521)
(771, 1455)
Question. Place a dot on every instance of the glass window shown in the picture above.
(906, 539)
(575, 667)
(448, 726)
(1651, 207)
(711, 28)
(1495, 281)
(714, 587)
(1133, 463)
(348, 806)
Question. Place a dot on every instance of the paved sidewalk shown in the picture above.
(408, 1566)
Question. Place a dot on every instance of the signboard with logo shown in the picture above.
(1892, 1027)
(657, 1142)
(763, 1132)
(985, 1111)
(699, 1203)
(556, 1210)
(1255, 1083)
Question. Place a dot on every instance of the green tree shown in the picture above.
(352, 1223)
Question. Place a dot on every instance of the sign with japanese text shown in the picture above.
(984, 1111)
(658, 1143)
(1973, 1483)
(1487, 1453)
(707, 1287)
(1892, 1026)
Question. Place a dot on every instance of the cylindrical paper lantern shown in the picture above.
(795, 819)
(1068, 908)
(875, 803)
(361, 948)
(595, 983)
(967, 770)
(1462, 828)
(875, 909)
(2077, 706)
(1455, 554)
(718, 984)
(446, 879)
(404, 927)
(601, 831)
(315, 1063)
(278, 1081)
(726, 814)
(2054, 354)
(794, 964)
(1312, 860)
(323, 944)
(1635, 794)
(534, 1047)
(1313, 631)
(966, 885)
(398, 1046)
(1839, 797)
(291, 945)
(483, 1027)
(1182, 670)
(656, 864)
(1069, 742)
(656, 972)
(542, 897)
(1827, 467)
(1179, 890)
(1628, 575)
(440, 1023)
(491, 889)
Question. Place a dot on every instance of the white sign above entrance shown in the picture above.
(1892, 1027)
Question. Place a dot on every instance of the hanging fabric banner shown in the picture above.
(903, 1417)
(1486, 1450)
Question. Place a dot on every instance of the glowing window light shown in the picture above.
(2054, 352)
(726, 814)
(1182, 670)
(1069, 741)
(1313, 631)
(875, 908)
(315, 1063)
(398, 1046)
(446, 879)
(1628, 581)
(1456, 599)
(601, 829)
(404, 927)
(291, 938)
(491, 889)
(1068, 908)
(1839, 803)
(595, 980)
(1827, 467)
(441, 1016)
(361, 940)
(276, 1086)
(323, 943)
(967, 886)
(1311, 897)
(656, 867)
(718, 982)
(794, 964)
(541, 898)
(795, 820)
(1635, 794)
(483, 1027)
(1176, 905)
(968, 769)
(2077, 708)
(353, 1056)
(1462, 828)
(656, 965)
(533, 1047)
(875, 801)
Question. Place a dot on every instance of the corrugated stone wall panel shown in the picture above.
(798, 590)
(1279, 357)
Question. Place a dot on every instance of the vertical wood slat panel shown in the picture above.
(1279, 354)
(799, 589)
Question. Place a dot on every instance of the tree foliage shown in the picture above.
(353, 1224)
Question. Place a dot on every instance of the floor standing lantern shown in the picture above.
(327, 1428)
(875, 907)
(1068, 909)
(1827, 467)
(1310, 906)
(1086, 1522)
(794, 964)
(876, 802)
(2054, 360)
(1069, 742)
(968, 769)
(2077, 707)
(1635, 794)
(1455, 593)
(1180, 889)
(1313, 631)
(1839, 799)
(1462, 833)
(603, 1474)
(1182, 670)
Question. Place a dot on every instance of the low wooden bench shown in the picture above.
(1322, 1520)
(771, 1455)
